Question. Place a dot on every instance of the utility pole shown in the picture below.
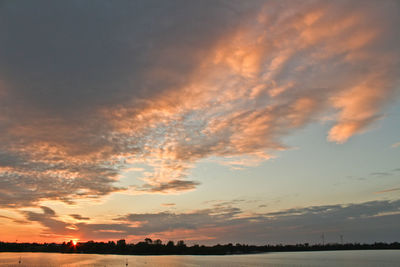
(341, 239)
(323, 239)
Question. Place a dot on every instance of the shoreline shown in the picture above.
(187, 254)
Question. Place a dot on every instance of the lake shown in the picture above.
(354, 258)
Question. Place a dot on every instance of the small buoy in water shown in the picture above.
(19, 261)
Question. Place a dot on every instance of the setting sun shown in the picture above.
(74, 242)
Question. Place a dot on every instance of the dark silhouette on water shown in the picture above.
(150, 247)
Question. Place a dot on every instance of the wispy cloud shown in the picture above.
(381, 174)
(388, 190)
(396, 145)
(168, 204)
(49, 219)
(168, 187)
(171, 83)
(79, 217)
(14, 219)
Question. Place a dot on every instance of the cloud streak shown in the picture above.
(396, 145)
(170, 83)
(388, 190)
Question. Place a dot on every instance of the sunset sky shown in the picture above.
(207, 121)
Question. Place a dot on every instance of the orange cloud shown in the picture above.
(232, 86)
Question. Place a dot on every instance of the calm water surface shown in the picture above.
(356, 258)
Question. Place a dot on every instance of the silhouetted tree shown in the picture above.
(181, 243)
(121, 244)
(157, 248)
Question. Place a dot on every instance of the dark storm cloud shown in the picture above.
(363, 222)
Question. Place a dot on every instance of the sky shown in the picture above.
(259, 122)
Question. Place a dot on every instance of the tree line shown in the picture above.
(156, 247)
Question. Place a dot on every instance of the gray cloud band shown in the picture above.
(363, 222)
